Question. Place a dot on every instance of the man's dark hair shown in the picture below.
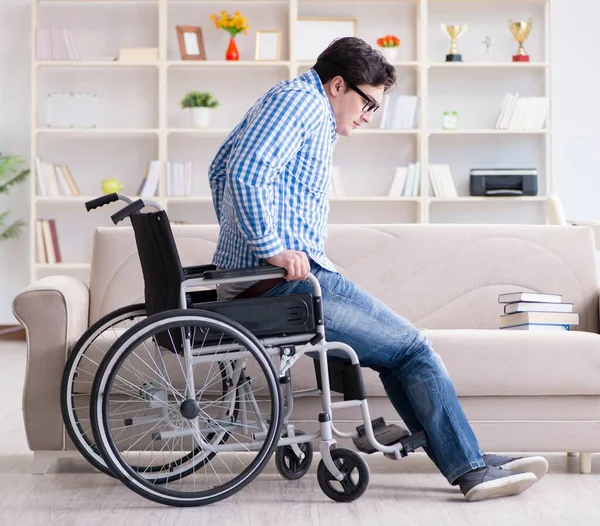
(357, 62)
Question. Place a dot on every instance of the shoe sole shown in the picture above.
(503, 487)
(536, 465)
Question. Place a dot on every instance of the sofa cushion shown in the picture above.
(518, 363)
(502, 363)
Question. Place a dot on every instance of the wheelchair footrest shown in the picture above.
(384, 434)
(388, 435)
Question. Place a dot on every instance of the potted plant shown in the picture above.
(233, 24)
(389, 47)
(200, 104)
(10, 174)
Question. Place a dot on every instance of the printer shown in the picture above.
(492, 182)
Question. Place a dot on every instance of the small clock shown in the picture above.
(450, 120)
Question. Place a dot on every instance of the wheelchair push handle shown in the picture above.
(130, 209)
(103, 200)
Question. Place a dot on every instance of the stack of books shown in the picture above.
(522, 113)
(399, 112)
(55, 43)
(406, 181)
(531, 311)
(46, 241)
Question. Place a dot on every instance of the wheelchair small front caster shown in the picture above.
(355, 471)
(288, 464)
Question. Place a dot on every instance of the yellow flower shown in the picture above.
(232, 24)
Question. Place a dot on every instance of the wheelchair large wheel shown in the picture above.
(78, 377)
(157, 396)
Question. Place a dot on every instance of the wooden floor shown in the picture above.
(404, 493)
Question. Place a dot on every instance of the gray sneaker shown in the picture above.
(491, 481)
(536, 465)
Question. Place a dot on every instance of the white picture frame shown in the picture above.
(313, 35)
(267, 45)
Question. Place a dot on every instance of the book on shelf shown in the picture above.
(55, 43)
(336, 188)
(54, 180)
(406, 181)
(179, 179)
(399, 111)
(46, 241)
(149, 184)
(522, 113)
(534, 311)
(441, 181)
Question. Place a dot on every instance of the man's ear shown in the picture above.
(336, 85)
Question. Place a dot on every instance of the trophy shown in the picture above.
(520, 31)
(454, 32)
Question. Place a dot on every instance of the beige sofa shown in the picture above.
(522, 391)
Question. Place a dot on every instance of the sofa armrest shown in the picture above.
(54, 312)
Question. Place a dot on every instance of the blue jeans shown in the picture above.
(412, 373)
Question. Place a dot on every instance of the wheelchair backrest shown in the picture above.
(159, 259)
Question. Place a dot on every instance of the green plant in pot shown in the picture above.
(200, 104)
(10, 175)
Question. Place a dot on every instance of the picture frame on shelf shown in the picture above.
(191, 43)
(314, 34)
(267, 46)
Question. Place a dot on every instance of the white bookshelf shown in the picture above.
(140, 118)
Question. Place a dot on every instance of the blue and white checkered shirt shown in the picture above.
(271, 176)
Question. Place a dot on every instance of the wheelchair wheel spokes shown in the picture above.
(195, 449)
(80, 370)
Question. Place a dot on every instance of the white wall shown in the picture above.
(15, 48)
(576, 109)
(576, 115)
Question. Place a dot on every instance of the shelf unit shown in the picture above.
(142, 119)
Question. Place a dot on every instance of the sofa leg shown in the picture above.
(585, 462)
(42, 460)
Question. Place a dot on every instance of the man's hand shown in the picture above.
(295, 263)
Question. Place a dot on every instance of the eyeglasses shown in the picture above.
(371, 105)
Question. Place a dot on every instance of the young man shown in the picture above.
(270, 181)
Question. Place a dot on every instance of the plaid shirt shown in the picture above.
(271, 176)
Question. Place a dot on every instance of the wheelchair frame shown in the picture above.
(284, 347)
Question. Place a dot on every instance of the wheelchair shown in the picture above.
(191, 397)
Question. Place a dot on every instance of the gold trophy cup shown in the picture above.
(520, 31)
(454, 32)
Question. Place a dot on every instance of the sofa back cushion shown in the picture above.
(436, 276)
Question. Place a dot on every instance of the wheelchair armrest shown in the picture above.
(257, 272)
(197, 271)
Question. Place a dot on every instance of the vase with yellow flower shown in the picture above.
(234, 25)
